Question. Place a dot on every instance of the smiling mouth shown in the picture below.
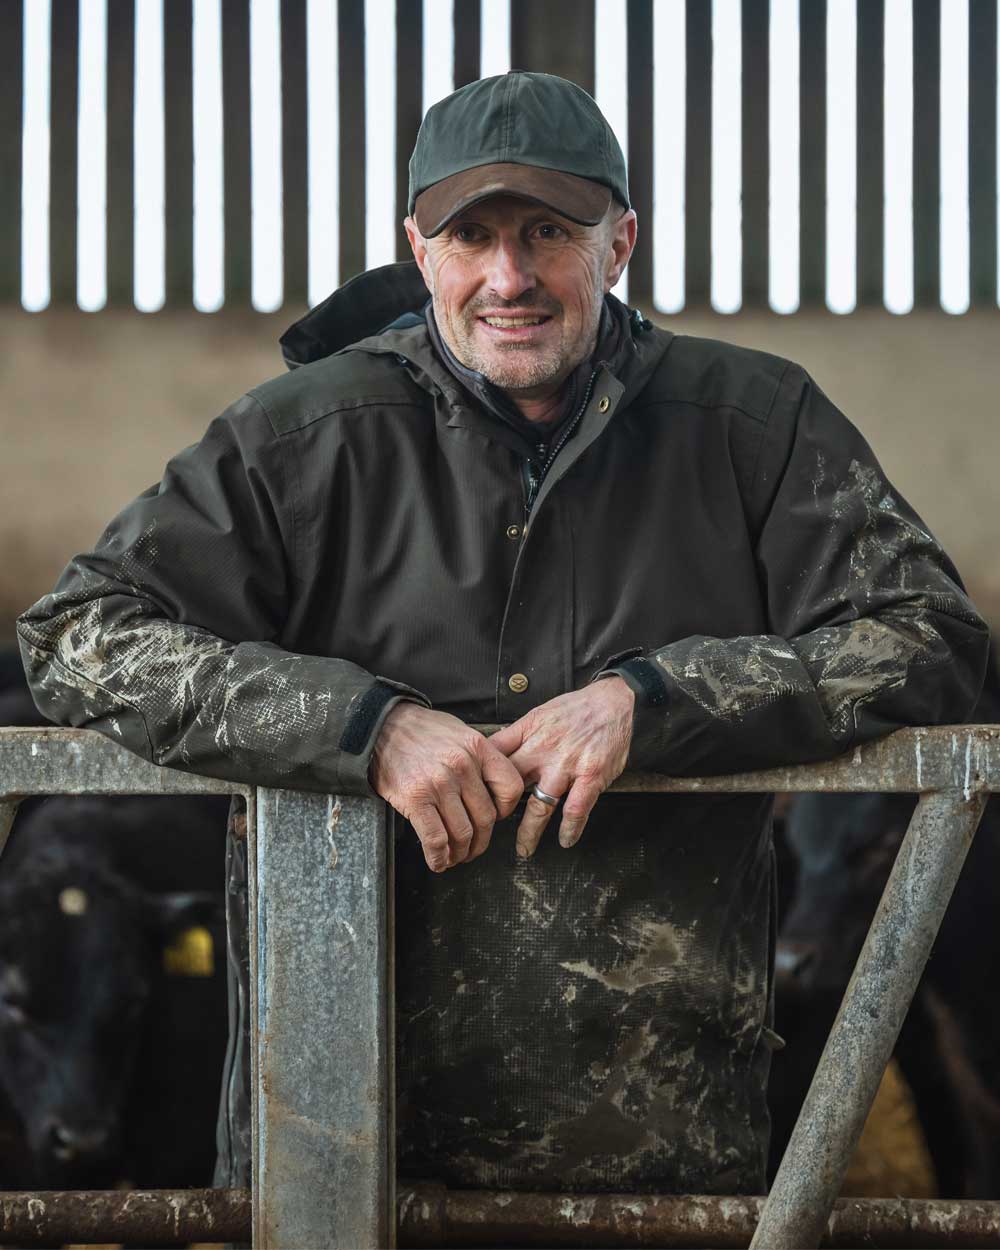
(515, 323)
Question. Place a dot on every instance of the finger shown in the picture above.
(509, 738)
(459, 825)
(577, 808)
(433, 837)
(535, 819)
(478, 802)
(505, 782)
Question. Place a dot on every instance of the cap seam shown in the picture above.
(507, 112)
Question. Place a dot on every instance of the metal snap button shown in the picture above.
(604, 405)
(518, 683)
(513, 531)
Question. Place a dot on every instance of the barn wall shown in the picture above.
(94, 405)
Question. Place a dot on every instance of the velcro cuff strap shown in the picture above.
(363, 719)
(644, 678)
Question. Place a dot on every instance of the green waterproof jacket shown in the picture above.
(356, 531)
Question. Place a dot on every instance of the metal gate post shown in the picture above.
(321, 977)
(870, 1017)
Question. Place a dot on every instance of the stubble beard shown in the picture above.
(516, 366)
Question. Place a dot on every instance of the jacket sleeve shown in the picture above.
(166, 637)
(870, 628)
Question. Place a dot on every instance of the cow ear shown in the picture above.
(172, 913)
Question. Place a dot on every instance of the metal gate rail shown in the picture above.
(321, 952)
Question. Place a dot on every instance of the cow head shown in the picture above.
(845, 846)
(80, 954)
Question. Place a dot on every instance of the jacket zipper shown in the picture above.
(534, 480)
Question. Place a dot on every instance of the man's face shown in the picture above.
(517, 289)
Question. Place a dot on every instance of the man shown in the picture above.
(469, 510)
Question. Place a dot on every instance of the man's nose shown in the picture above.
(511, 271)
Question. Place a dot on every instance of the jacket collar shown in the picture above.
(380, 311)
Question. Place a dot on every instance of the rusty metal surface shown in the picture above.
(431, 1216)
(139, 1217)
(865, 1030)
(324, 1141)
(82, 761)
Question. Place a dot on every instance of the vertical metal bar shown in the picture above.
(468, 22)
(324, 1149)
(409, 106)
(236, 147)
(983, 152)
(860, 1043)
(926, 153)
(640, 146)
(812, 154)
(8, 810)
(554, 38)
(62, 153)
(698, 158)
(756, 73)
(179, 151)
(871, 45)
(11, 95)
(351, 60)
(294, 149)
(121, 129)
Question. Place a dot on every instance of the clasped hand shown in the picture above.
(452, 783)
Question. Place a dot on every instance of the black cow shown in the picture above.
(110, 1053)
(844, 847)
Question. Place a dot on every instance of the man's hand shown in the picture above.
(575, 745)
(449, 782)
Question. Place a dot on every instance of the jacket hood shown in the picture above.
(358, 310)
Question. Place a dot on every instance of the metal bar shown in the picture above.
(756, 157)
(468, 23)
(11, 109)
(294, 150)
(430, 1215)
(82, 761)
(409, 107)
(324, 1163)
(8, 811)
(140, 1217)
(640, 147)
(812, 153)
(433, 1216)
(864, 1033)
(351, 37)
(983, 151)
(64, 78)
(698, 159)
(926, 152)
(911, 761)
(871, 45)
(236, 149)
(556, 38)
(179, 154)
(121, 133)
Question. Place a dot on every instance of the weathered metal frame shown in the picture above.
(321, 918)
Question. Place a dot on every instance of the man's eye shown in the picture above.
(549, 232)
(467, 234)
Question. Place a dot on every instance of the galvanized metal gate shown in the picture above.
(322, 1013)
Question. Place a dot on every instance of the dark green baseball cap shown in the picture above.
(531, 135)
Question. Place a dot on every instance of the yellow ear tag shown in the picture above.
(190, 954)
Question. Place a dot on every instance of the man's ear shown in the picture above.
(418, 245)
(622, 242)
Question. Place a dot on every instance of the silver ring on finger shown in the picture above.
(549, 800)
